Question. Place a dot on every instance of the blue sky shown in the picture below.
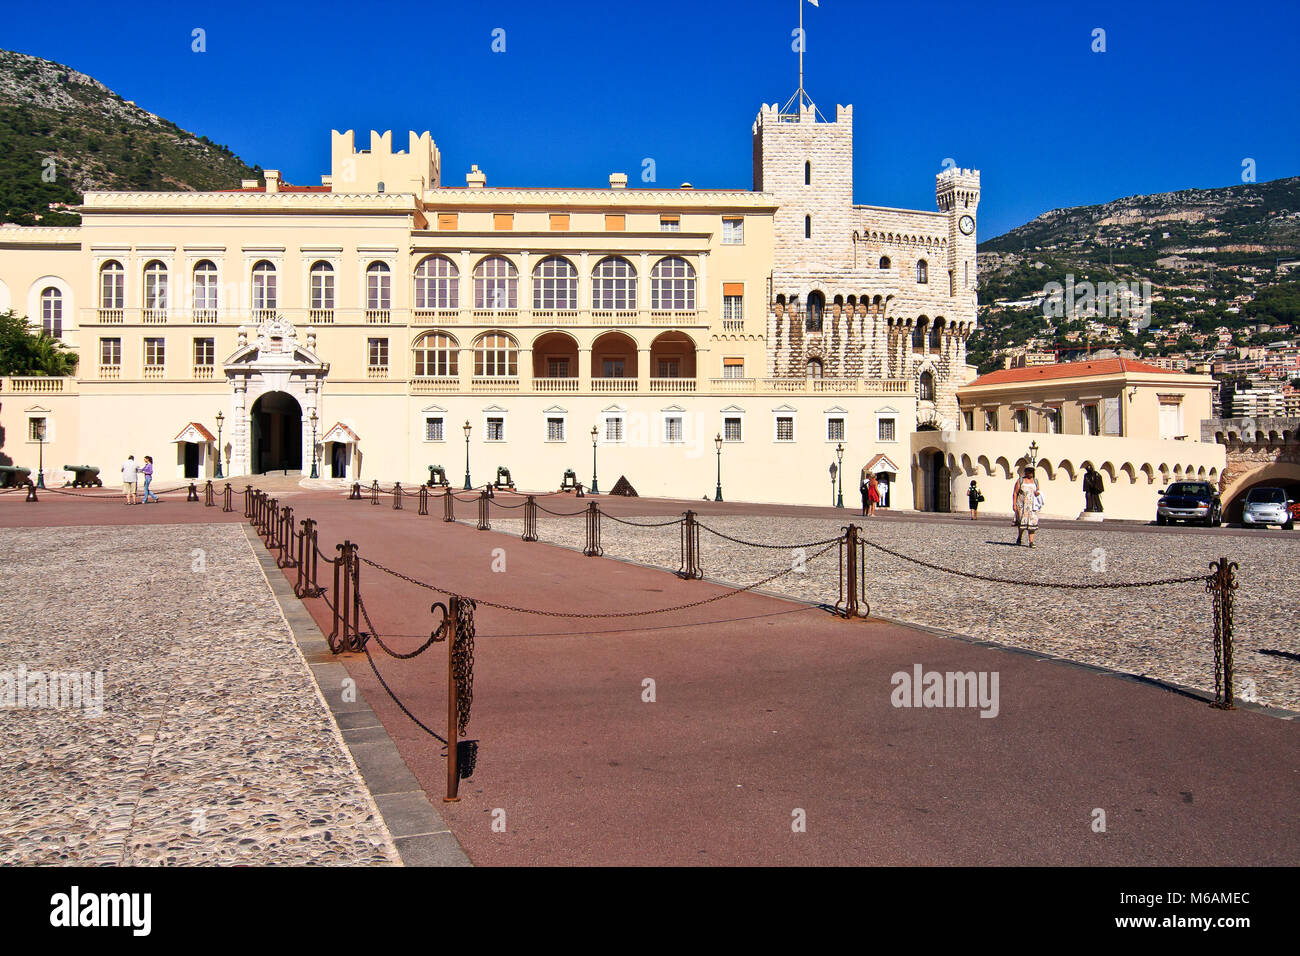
(1184, 92)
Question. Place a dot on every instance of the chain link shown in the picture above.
(773, 547)
(384, 684)
(462, 662)
(638, 524)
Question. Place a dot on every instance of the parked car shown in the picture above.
(1295, 510)
(1266, 506)
(1190, 501)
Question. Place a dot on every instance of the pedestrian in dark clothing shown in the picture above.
(974, 497)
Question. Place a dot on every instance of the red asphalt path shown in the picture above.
(764, 707)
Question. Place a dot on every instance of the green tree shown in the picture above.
(24, 351)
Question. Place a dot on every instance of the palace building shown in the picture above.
(389, 322)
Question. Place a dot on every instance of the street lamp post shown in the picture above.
(314, 472)
(595, 488)
(220, 421)
(468, 486)
(839, 457)
(717, 495)
(1033, 454)
(834, 471)
(40, 468)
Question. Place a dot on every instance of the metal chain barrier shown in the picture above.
(760, 544)
(640, 524)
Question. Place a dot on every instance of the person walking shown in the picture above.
(129, 472)
(974, 497)
(1026, 502)
(147, 471)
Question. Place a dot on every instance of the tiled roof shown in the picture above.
(1095, 369)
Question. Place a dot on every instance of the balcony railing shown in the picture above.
(378, 316)
(153, 316)
(35, 385)
(377, 372)
(555, 384)
(110, 372)
(435, 384)
(733, 325)
(614, 385)
(204, 373)
(494, 383)
(111, 316)
(204, 316)
(155, 372)
(320, 316)
(672, 385)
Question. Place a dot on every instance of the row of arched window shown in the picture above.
(437, 285)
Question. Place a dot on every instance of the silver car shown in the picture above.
(1265, 506)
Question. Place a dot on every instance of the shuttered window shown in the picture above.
(503, 220)
(615, 223)
(447, 220)
(560, 221)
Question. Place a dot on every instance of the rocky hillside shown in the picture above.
(1214, 257)
(96, 140)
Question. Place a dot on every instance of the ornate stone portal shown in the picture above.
(275, 362)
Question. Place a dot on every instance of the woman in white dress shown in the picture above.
(1026, 502)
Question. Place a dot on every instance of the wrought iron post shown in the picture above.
(593, 548)
(1221, 583)
(448, 505)
(397, 496)
(193, 493)
(484, 519)
(207, 494)
(453, 771)
(530, 519)
(248, 501)
(424, 499)
(690, 567)
(356, 492)
(31, 492)
(852, 576)
(374, 492)
(286, 538)
(227, 503)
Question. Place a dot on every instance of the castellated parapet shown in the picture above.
(379, 169)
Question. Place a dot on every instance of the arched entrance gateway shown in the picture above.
(276, 432)
(275, 386)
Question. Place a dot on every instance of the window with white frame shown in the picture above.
(785, 428)
(37, 429)
(733, 368)
(205, 287)
(437, 284)
(835, 429)
(496, 355)
(495, 427)
(52, 312)
(496, 284)
(672, 428)
(377, 351)
(555, 284)
(434, 428)
(670, 223)
(155, 352)
(322, 286)
(613, 428)
(436, 355)
(155, 286)
(733, 232)
(110, 351)
(205, 351)
(732, 429)
(887, 429)
(112, 285)
(379, 287)
(264, 296)
(733, 309)
(672, 285)
(555, 428)
(613, 284)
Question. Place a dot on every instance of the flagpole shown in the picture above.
(802, 41)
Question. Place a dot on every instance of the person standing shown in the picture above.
(147, 471)
(864, 486)
(974, 498)
(130, 470)
(1026, 502)
(873, 495)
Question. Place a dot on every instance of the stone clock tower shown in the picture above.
(958, 194)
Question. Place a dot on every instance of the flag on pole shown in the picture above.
(815, 3)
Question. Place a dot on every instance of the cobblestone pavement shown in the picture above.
(1164, 633)
(213, 746)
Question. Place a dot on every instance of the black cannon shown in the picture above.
(570, 480)
(84, 476)
(503, 479)
(14, 476)
(438, 477)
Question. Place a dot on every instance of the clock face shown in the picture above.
(966, 224)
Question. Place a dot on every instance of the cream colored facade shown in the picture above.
(396, 310)
(1138, 424)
